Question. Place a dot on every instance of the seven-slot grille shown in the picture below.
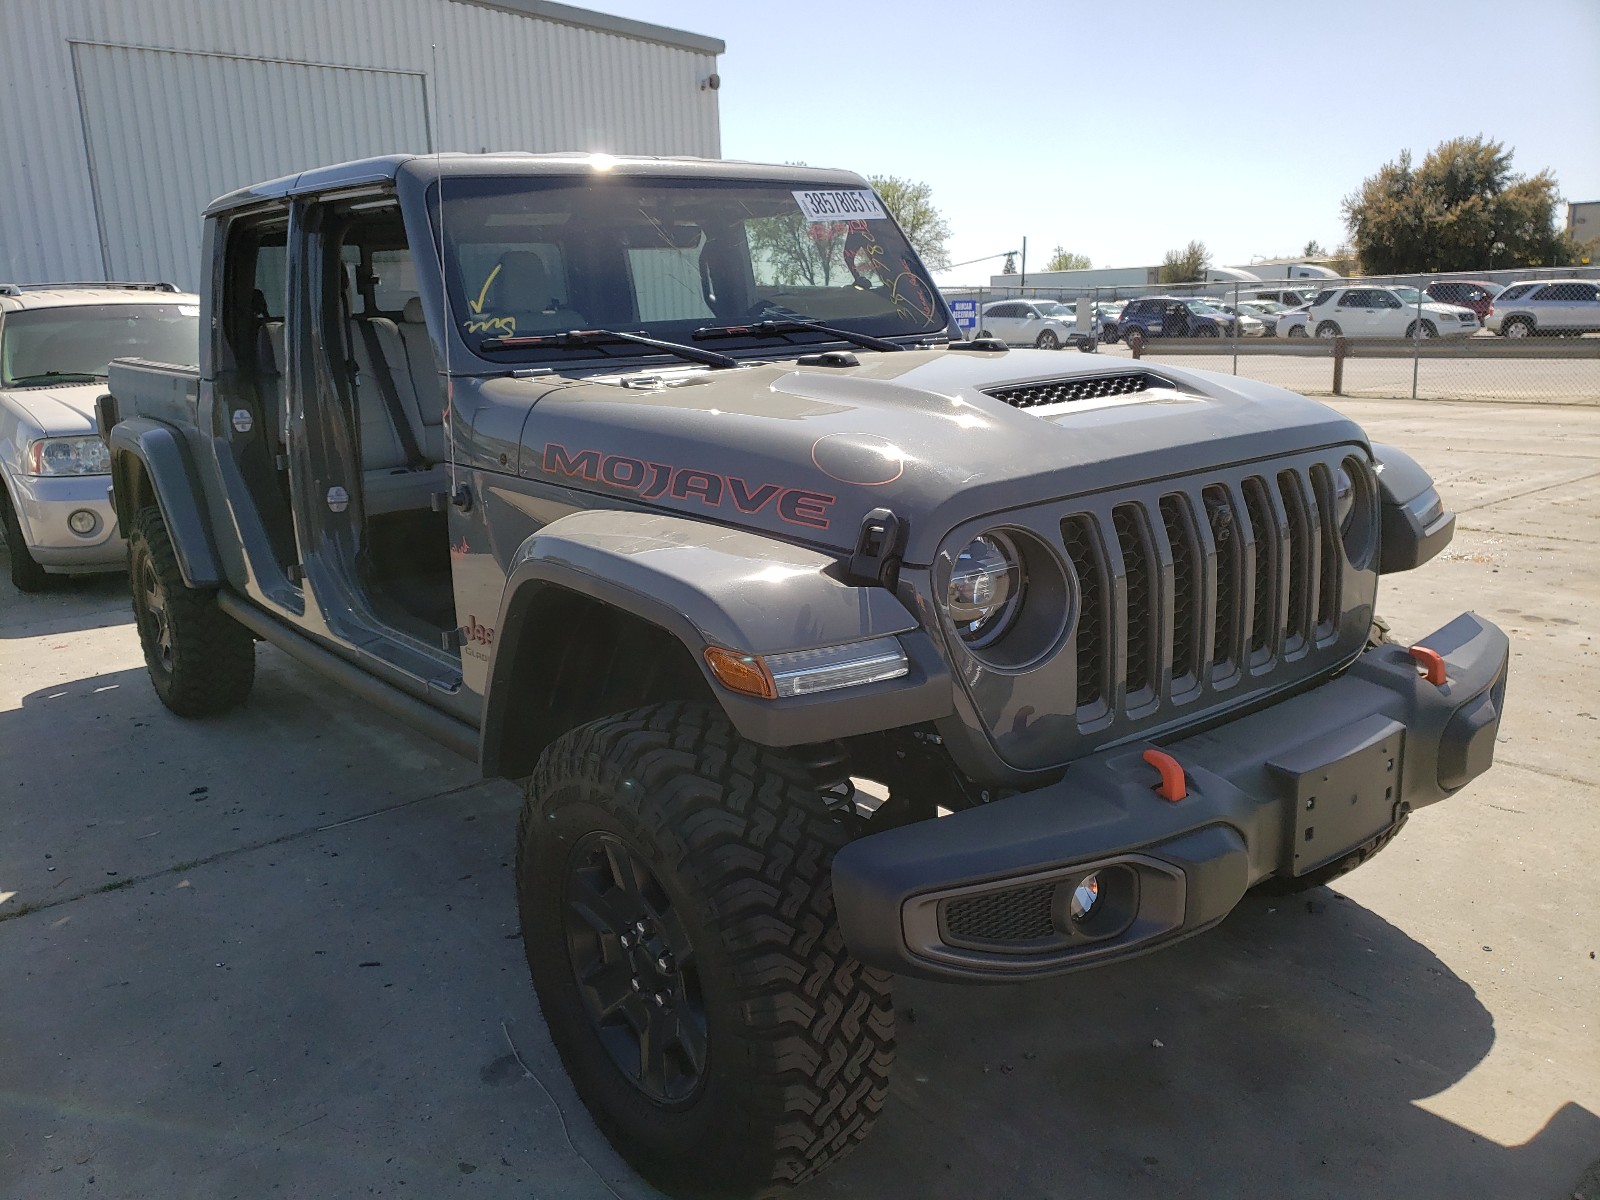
(1205, 582)
(1088, 387)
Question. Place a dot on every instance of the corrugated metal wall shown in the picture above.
(107, 141)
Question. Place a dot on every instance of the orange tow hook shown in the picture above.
(1171, 788)
(1432, 663)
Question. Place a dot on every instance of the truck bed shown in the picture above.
(162, 391)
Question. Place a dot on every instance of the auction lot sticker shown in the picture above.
(840, 206)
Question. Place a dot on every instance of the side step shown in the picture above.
(454, 734)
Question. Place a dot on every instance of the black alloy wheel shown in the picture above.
(635, 969)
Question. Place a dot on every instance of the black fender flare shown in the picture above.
(167, 465)
(1414, 524)
(708, 585)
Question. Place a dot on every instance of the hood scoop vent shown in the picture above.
(1083, 387)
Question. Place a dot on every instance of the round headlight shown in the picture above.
(986, 588)
(1344, 498)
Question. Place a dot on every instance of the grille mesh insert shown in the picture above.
(1226, 533)
(1078, 536)
(1255, 503)
(1185, 583)
(1142, 618)
(1065, 391)
(1015, 915)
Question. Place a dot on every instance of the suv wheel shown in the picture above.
(1329, 329)
(1518, 327)
(1297, 331)
(26, 573)
(675, 890)
(1428, 330)
(1048, 341)
(201, 661)
(1207, 331)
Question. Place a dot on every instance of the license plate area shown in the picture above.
(1343, 789)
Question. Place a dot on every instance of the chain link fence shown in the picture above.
(1534, 337)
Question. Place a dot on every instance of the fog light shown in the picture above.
(1085, 896)
(83, 522)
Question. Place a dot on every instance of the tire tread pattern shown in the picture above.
(214, 657)
(742, 826)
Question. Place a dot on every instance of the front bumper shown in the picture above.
(44, 504)
(987, 893)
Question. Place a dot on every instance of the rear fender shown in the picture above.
(706, 585)
(149, 461)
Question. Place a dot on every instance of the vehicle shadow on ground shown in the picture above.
(68, 604)
(1278, 1055)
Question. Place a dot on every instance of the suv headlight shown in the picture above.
(986, 587)
(69, 456)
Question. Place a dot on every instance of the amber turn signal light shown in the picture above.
(742, 673)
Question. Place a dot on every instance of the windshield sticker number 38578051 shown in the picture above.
(856, 205)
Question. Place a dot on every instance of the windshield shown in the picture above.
(1264, 306)
(1199, 306)
(76, 344)
(1058, 310)
(664, 258)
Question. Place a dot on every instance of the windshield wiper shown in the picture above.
(56, 377)
(794, 325)
(576, 339)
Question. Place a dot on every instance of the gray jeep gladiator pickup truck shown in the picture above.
(828, 646)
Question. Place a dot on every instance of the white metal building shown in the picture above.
(121, 119)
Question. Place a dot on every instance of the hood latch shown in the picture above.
(879, 547)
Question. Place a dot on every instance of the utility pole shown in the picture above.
(1023, 282)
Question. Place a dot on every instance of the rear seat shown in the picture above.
(390, 483)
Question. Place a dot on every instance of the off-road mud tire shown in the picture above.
(208, 662)
(26, 573)
(799, 1036)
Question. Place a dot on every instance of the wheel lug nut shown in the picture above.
(661, 999)
(664, 964)
(637, 986)
(640, 928)
(625, 941)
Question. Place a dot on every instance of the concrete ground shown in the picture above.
(276, 953)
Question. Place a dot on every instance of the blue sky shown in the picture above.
(1122, 130)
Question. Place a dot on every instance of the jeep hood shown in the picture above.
(807, 451)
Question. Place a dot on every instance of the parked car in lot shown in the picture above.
(1387, 312)
(1295, 322)
(1174, 316)
(1044, 324)
(1293, 297)
(55, 343)
(1250, 323)
(1551, 306)
(1476, 294)
(1106, 314)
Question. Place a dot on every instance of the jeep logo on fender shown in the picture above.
(652, 480)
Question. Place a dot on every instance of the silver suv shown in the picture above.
(56, 340)
(1550, 306)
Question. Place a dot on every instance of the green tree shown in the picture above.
(796, 251)
(1313, 249)
(911, 204)
(1188, 265)
(1463, 209)
(1065, 260)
